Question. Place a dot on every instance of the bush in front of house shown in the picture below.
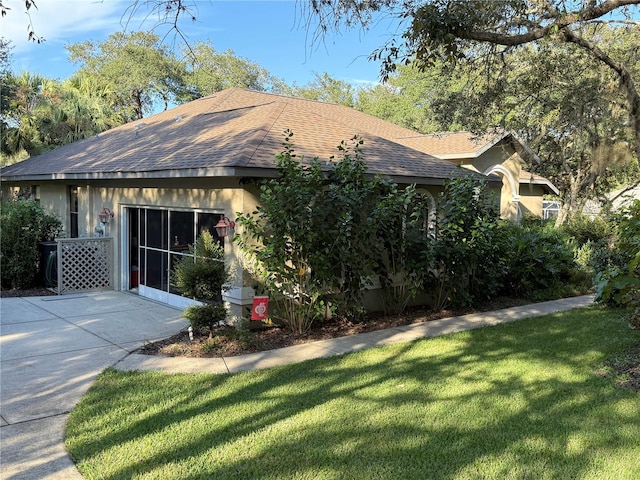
(313, 236)
(592, 243)
(539, 259)
(583, 229)
(207, 316)
(619, 284)
(202, 276)
(324, 232)
(467, 265)
(24, 223)
(404, 255)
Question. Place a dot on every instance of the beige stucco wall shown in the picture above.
(220, 196)
(504, 161)
(531, 197)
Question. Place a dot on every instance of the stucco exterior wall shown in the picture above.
(496, 155)
(531, 197)
(504, 161)
(219, 197)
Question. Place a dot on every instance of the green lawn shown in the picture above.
(520, 401)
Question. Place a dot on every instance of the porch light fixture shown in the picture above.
(223, 226)
(105, 215)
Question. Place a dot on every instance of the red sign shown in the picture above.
(260, 308)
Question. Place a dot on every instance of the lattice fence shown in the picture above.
(84, 264)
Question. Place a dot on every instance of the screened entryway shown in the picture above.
(157, 238)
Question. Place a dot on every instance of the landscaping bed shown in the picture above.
(227, 341)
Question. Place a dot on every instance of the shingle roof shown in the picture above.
(233, 131)
(467, 145)
(453, 145)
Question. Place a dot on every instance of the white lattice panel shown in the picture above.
(85, 264)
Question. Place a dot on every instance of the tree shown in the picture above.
(5, 57)
(565, 104)
(22, 106)
(141, 70)
(324, 88)
(406, 99)
(41, 114)
(208, 71)
(448, 31)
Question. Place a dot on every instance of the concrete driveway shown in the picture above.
(51, 351)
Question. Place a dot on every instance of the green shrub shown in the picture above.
(23, 224)
(206, 316)
(203, 275)
(244, 335)
(584, 229)
(619, 285)
(466, 264)
(539, 258)
(404, 253)
(225, 338)
(313, 237)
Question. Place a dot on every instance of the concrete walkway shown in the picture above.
(53, 348)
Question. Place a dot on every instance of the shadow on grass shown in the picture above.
(516, 400)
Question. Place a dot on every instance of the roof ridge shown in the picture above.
(259, 134)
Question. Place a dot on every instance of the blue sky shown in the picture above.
(269, 33)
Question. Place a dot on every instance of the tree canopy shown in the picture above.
(208, 71)
(124, 78)
(143, 69)
(452, 31)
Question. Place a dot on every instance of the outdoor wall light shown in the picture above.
(223, 226)
(105, 215)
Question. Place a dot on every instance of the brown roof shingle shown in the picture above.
(234, 129)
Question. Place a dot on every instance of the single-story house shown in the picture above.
(164, 178)
(501, 153)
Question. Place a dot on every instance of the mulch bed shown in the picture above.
(227, 341)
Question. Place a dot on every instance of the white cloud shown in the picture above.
(60, 21)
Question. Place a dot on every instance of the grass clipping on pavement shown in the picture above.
(519, 400)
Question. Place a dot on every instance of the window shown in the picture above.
(551, 208)
(73, 211)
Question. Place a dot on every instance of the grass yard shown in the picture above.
(515, 401)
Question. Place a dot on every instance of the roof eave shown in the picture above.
(543, 183)
(154, 174)
(455, 156)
